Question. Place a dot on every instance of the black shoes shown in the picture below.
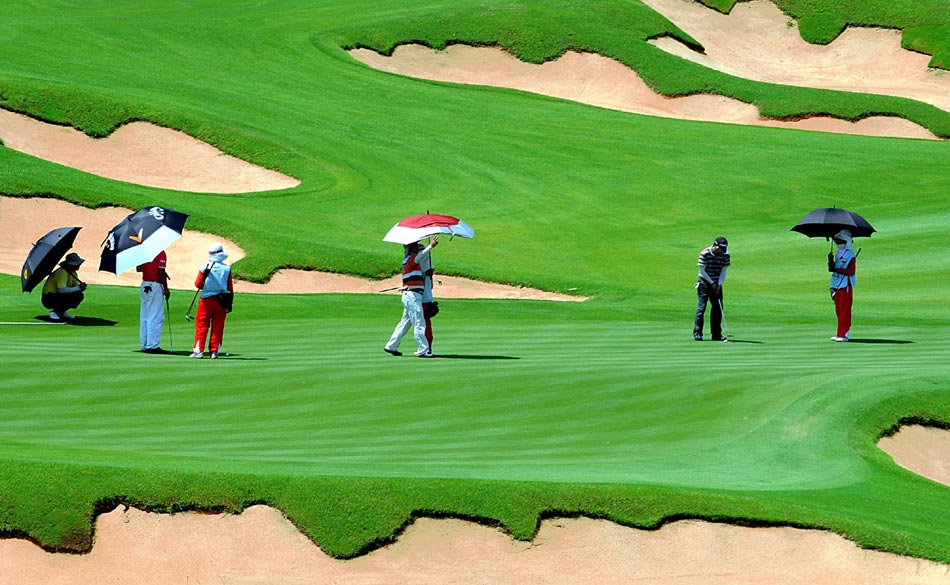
(392, 352)
(156, 350)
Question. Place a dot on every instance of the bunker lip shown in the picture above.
(261, 545)
(140, 153)
(23, 221)
(922, 449)
(755, 41)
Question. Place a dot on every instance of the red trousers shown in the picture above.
(844, 298)
(210, 315)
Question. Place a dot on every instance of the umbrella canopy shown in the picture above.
(827, 221)
(140, 237)
(417, 227)
(44, 256)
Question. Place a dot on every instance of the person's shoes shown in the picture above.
(54, 316)
(392, 352)
(720, 338)
(196, 354)
(839, 339)
(697, 338)
(156, 350)
(66, 315)
(214, 355)
(425, 355)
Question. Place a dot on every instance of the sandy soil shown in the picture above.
(755, 41)
(23, 221)
(923, 450)
(261, 546)
(141, 153)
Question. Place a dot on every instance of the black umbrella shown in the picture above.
(44, 256)
(140, 237)
(827, 221)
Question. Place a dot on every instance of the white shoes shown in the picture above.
(66, 315)
(54, 316)
(839, 339)
(196, 354)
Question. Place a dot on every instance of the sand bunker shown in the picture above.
(923, 450)
(23, 221)
(261, 546)
(758, 41)
(141, 153)
(867, 60)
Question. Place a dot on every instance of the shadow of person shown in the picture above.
(881, 341)
(453, 356)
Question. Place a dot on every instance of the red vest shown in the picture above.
(412, 276)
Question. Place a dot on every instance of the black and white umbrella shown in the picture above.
(46, 252)
(140, 237)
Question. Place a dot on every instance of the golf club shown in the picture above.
(188, 316)
(725, 325)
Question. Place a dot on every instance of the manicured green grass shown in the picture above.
(605, 408)
(600, 410)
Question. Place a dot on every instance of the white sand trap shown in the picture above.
(756, 36)
(23, 221)
(923, 450)
(141, 153)
(758, 41)
(261, 546)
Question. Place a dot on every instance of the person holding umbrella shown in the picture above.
(841, 265)
(413, 287)
(63, 289)
(153, 290)
(217, 295)
(713, 262)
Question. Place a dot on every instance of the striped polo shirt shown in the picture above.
(712, 263)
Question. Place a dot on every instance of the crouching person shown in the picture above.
(63, 290)
(217, 294)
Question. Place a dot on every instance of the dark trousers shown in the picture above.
(62, 302)
(706, 295)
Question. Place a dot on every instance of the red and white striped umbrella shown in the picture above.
(418, 227)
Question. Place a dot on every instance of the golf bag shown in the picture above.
(430, 310)
(226, 299)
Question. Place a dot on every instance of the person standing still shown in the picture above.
(713, 262)
(152, 294)
(842, 266)
(413, 285)
(217, 294)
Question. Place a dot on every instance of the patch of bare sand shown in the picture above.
(141, 153)
(23, 221)
(758, 41)
(923, 450)
(261, 546)
(742, 43)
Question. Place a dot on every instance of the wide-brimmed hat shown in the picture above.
(72, 259)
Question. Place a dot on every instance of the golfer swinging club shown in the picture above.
(413, 285)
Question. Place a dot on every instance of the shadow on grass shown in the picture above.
(221, 357)
(454, 356)
(881, 341)
(80, 321)
(746, 341)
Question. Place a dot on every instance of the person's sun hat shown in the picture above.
(72, 259)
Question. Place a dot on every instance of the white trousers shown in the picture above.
(151, 314)
(411, 317)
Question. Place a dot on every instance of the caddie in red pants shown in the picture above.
(217, 294)
(841, 265)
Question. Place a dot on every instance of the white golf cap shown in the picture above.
(215, 248)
